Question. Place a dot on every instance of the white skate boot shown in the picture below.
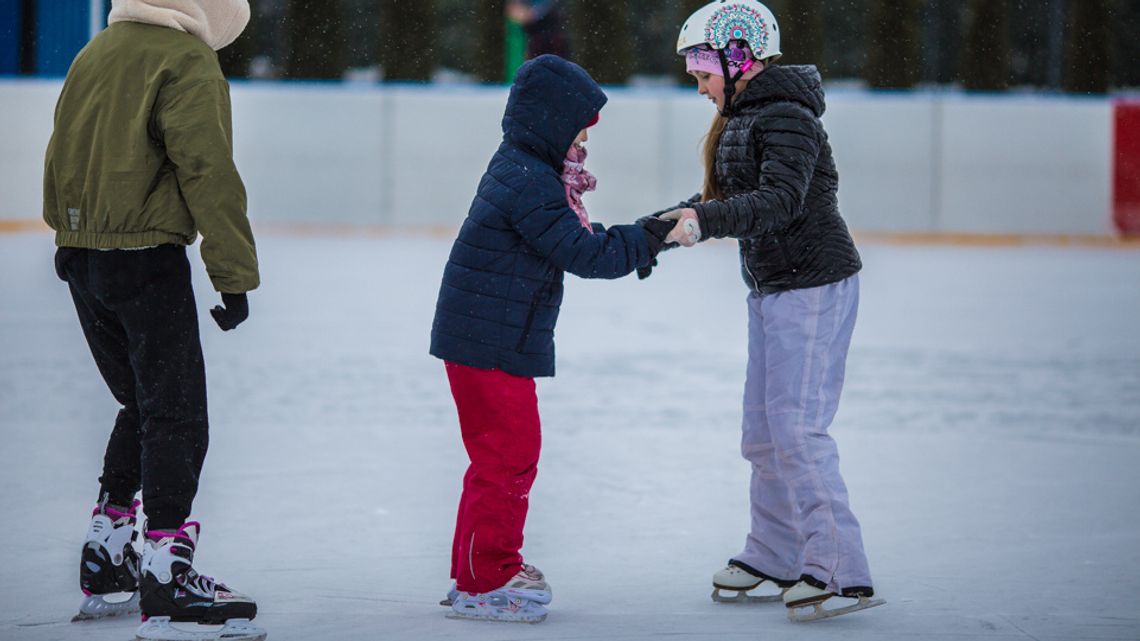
(807, 594)
(109, 567)
(528, 583)
(738, 580)
(523, 599)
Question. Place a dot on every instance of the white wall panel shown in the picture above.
(408, 155)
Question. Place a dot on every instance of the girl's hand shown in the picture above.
(688, 229)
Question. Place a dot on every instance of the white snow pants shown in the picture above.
(797, 352)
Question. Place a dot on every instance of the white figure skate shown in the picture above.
(734, 584)
(523, 599)
(109, 567)
(529, 583)
(803, 595)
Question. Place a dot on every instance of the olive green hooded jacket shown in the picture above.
(142, 150)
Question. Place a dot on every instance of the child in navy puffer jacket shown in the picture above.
(494, 321)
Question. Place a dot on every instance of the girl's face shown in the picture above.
(583, 136)
(710, 86)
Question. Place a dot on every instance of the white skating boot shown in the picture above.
(178, 604)
(528, 583)
(109, 567)
(738, 580)
(523, 599)
(808, 594)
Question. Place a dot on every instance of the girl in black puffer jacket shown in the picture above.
(771, 183)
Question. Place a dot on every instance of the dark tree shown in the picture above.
(801, 31)
(894, 59)
(408, 47)
(1086, 51)
(602, 41)
(985, 62)
(317, 42)
(845, 43)
(1124, 18)
(655, 37)
(488, 56)
(942, 40)
(1030, 41)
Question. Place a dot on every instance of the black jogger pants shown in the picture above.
(137, 311)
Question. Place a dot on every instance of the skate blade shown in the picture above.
(101, 606)
(163, 629)
(498, 618)
(742, 596)
(819, 612)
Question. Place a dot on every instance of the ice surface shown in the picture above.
(990, 434)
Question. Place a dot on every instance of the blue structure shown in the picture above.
(11, 36)
(62, 28)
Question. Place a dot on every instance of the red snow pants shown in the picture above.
(498, 416)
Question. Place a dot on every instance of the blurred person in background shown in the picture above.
(545, 26)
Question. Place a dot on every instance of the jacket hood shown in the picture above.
(551, 100)
(798, 83)
(216, 22)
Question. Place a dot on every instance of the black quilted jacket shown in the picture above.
(777, 174)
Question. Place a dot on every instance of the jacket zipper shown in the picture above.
(748, 270)
(538, 296)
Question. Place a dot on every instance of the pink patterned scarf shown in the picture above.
(578, 181)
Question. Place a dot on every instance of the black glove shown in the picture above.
(644, 272)
(235, 311)
(655, 231)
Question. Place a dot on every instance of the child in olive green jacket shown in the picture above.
(141, 162)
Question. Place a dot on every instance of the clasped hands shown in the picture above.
(687, 231)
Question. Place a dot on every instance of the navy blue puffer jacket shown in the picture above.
(502, 286)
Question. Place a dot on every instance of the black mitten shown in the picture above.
(644, 272)
(656, 230)
(235, 311)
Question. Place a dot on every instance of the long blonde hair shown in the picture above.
(711, 190)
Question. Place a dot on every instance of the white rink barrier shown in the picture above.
(412, 155)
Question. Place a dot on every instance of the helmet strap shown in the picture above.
(730, 81)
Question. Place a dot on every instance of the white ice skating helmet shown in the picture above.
(718, 23)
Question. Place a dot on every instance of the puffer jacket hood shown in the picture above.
(552, 99)
(797, 83)
(216, 22)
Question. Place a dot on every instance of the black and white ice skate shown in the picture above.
(805, 601)
(178, 604)
(109, 565)
(740, 583)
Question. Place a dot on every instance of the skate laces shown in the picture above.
(201, 584)
(528, 578)
(118, 517)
